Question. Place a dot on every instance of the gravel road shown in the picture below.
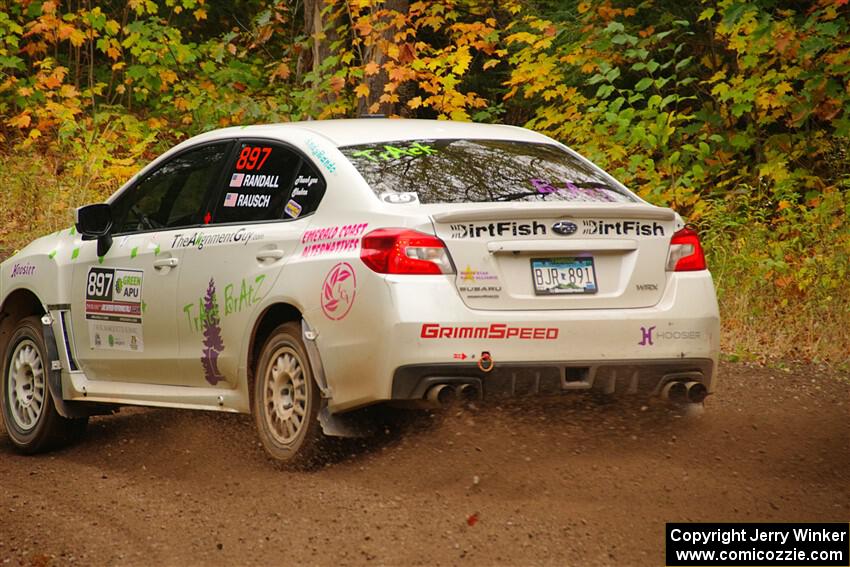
(564, 481)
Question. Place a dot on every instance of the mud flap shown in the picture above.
(309, 337)
(335, 425)
(65, 408)
(332, 425)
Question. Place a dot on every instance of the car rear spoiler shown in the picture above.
(505, 211)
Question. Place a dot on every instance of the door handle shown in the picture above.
(274, 254)
(165, 263)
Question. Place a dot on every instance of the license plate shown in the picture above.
(558, 276)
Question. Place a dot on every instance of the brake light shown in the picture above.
(686, 253)
(404, 251)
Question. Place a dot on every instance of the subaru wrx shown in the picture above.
(301, 271)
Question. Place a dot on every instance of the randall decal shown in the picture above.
(493, 229)
(249, 180)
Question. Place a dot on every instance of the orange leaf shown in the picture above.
(371, 68)
(282, 71)
(51, 82)
(22, 120)
(337, 83)
(362, 90)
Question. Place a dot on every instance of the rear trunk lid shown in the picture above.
(521, 256)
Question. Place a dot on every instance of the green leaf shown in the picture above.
(604, 91)
(684, 63)
(612, 75)
(706, 14)
(643, 84)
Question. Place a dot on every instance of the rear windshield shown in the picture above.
(472, 171)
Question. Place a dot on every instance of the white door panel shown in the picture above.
(220, 286)
(123, 310)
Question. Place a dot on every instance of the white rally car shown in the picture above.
(300, 271)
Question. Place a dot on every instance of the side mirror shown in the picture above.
(95, 221)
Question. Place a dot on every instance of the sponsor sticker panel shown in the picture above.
(113, 308)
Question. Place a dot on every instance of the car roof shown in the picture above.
(355, 131)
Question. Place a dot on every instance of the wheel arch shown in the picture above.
(272, 316)
(20, 303)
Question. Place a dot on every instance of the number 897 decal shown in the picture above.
(114, 308)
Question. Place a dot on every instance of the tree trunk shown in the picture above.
(315, 23)
(378, 82)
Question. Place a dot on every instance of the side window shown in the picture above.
(307, 191)
(267, 182)
(173, 195)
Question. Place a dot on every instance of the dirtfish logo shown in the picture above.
(509, 228)
(622, 228)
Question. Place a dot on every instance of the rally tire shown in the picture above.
(286, 400)
(29, 414)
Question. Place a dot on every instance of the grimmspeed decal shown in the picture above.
(114, 308)
(622, 228)
(496, 331)
(494, 229)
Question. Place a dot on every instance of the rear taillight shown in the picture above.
(404, 251)
(685, 252)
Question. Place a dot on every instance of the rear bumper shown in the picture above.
(546, 378)
(420, 332)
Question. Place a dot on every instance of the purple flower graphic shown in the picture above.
(213, 343)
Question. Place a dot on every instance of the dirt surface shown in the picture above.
(566, 481)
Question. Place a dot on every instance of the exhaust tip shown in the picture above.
(696, 392)
(442, 394)
(468, 392)
(675, 392)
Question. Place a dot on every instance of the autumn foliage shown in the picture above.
(736, 113)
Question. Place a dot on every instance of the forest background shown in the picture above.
(735, 113)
